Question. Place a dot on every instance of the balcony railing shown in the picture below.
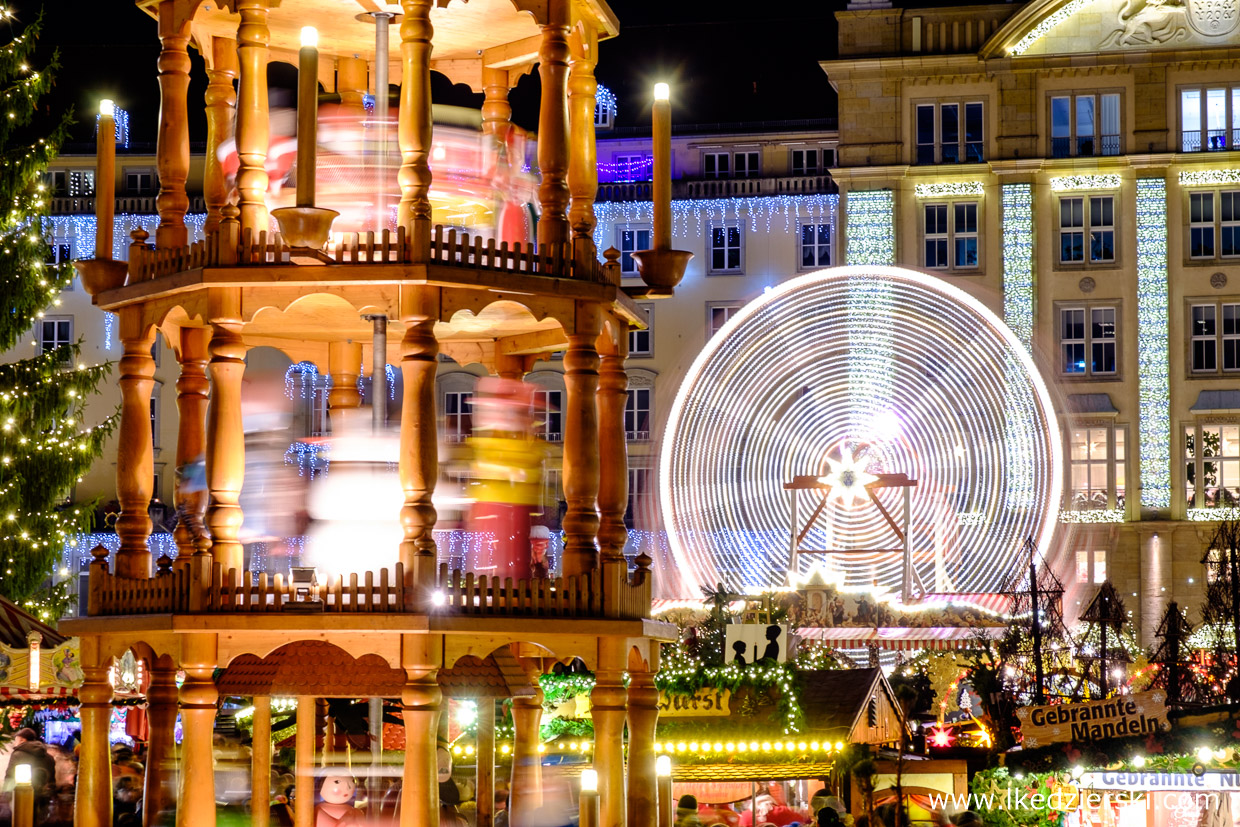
(1215, 140)
(1085, 147)
(686, 188)
(133, 204)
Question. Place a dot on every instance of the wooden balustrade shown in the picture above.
(447, 247)
(612, 593)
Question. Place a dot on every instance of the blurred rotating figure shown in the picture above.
(506, 477)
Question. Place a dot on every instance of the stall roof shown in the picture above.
(16, 624)
(750, 772)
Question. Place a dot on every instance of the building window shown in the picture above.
(81, 182)
(942, 137)
(725, 248)
(639, 515)
(547, 415)
(1091, 567)
(1073, 228)
(139, 181)
(633, 168)
(1212, 465)
(804, 162)
(1209, 118)
(641, 342)
(815, 245)
(155, 419)
(637, 415)
(57, 181)
(1214, 229)
(718, 314)
(457, 421)
(1208, 337)
(602, 115)
(1085, 125)
(746, 165)
(1087, 348)
(54, 332)
(717, 164)
(953, 246)
(1096, 459)
(629, 242)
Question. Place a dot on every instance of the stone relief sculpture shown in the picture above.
(1154, 22)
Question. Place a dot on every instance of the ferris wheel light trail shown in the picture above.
(854, 371)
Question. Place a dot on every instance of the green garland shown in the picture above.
(572, 727)
(1002, 799)
(684, 675)
(559, 689)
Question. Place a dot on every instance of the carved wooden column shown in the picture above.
(581, 446)
(613, 485)
(135, 454)
(608, 706)
(419, 438)
(158, 794)
(351, 83)
(344, 365)
(260, 763)
(420, 700)
(225, 442)
(553, 125)
(253, 129)
(414, 124)
(172, 144)
(583, 166)
(93, 807)
(192, 389)
(220, 99)
(304, 746)
(643, 718)
(196, 803)
(485, 762)
(496, 110)
(525, 786)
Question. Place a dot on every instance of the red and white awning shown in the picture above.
(42, 694)
(901, 638)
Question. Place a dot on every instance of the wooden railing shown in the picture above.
(606, 593)
(446, 247)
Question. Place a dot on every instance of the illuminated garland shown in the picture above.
(1213, 515)
(1209, 177)
(1105, 515)
(682, 674)
(698, 213)
(1018, 261)
(951, 189)
(1152, 360)
(78, 231)
(605, 99)
(871, 234)
(1047, 23)
(120, 118)
(771, 383)
(1076, 183)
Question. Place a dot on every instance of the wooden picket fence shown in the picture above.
(112, 595)
(241, 591)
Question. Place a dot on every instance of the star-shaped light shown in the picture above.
(847, 478)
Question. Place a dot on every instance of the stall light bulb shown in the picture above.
(589, 781)
(309, 37)
(107, 108)
(662, 92)
(663, 766)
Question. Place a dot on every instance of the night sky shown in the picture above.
(728, 63)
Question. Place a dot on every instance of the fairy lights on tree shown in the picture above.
(44, 446)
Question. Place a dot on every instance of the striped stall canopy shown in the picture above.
(46, 693)
(902, 638)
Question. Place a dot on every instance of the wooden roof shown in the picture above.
(750, 771)
(15, 624)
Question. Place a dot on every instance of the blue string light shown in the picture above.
(871, 234)
(121, 120)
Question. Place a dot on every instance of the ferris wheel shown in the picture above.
(826, 386)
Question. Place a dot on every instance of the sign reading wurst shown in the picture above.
(1122, 716)
(705, 702)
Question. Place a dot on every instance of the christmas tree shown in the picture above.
(45, 448)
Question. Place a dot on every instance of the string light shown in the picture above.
(121, 120)
(698, 213)
(78, 231)
(871, 236)
(1075, 183)
(605, 100)
(1049, 22)
(1209, 177)
(950, 189)
(1213, 515)
(1152, 359)
(1100, 515)
(1018, 261)
(729, 513)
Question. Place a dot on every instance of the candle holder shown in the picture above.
(101, 274)
(307, 227)
(662, 270)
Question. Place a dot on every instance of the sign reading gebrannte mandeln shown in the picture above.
(1118, 717)
(707, 701)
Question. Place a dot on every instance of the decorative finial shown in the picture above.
(164, 565)
(230, 212)
(100, 553)
(139, 237)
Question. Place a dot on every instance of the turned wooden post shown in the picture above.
(581, 445)
(196, 803)
(420, 701)
(220, 99)
(253, 129)
(225, 443)
(643, 717)
(135, 454)
(260, 763)
(172, 144)
(158, 795)
(307, 715)
(553, 125)
(93, 806)
(485, 762)
(414, 125)
(496, 110)
(608, 707)
(583, 159)
(192, 389)
(419, 439)
(344, 364)
(613, 485)
(525, 786)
